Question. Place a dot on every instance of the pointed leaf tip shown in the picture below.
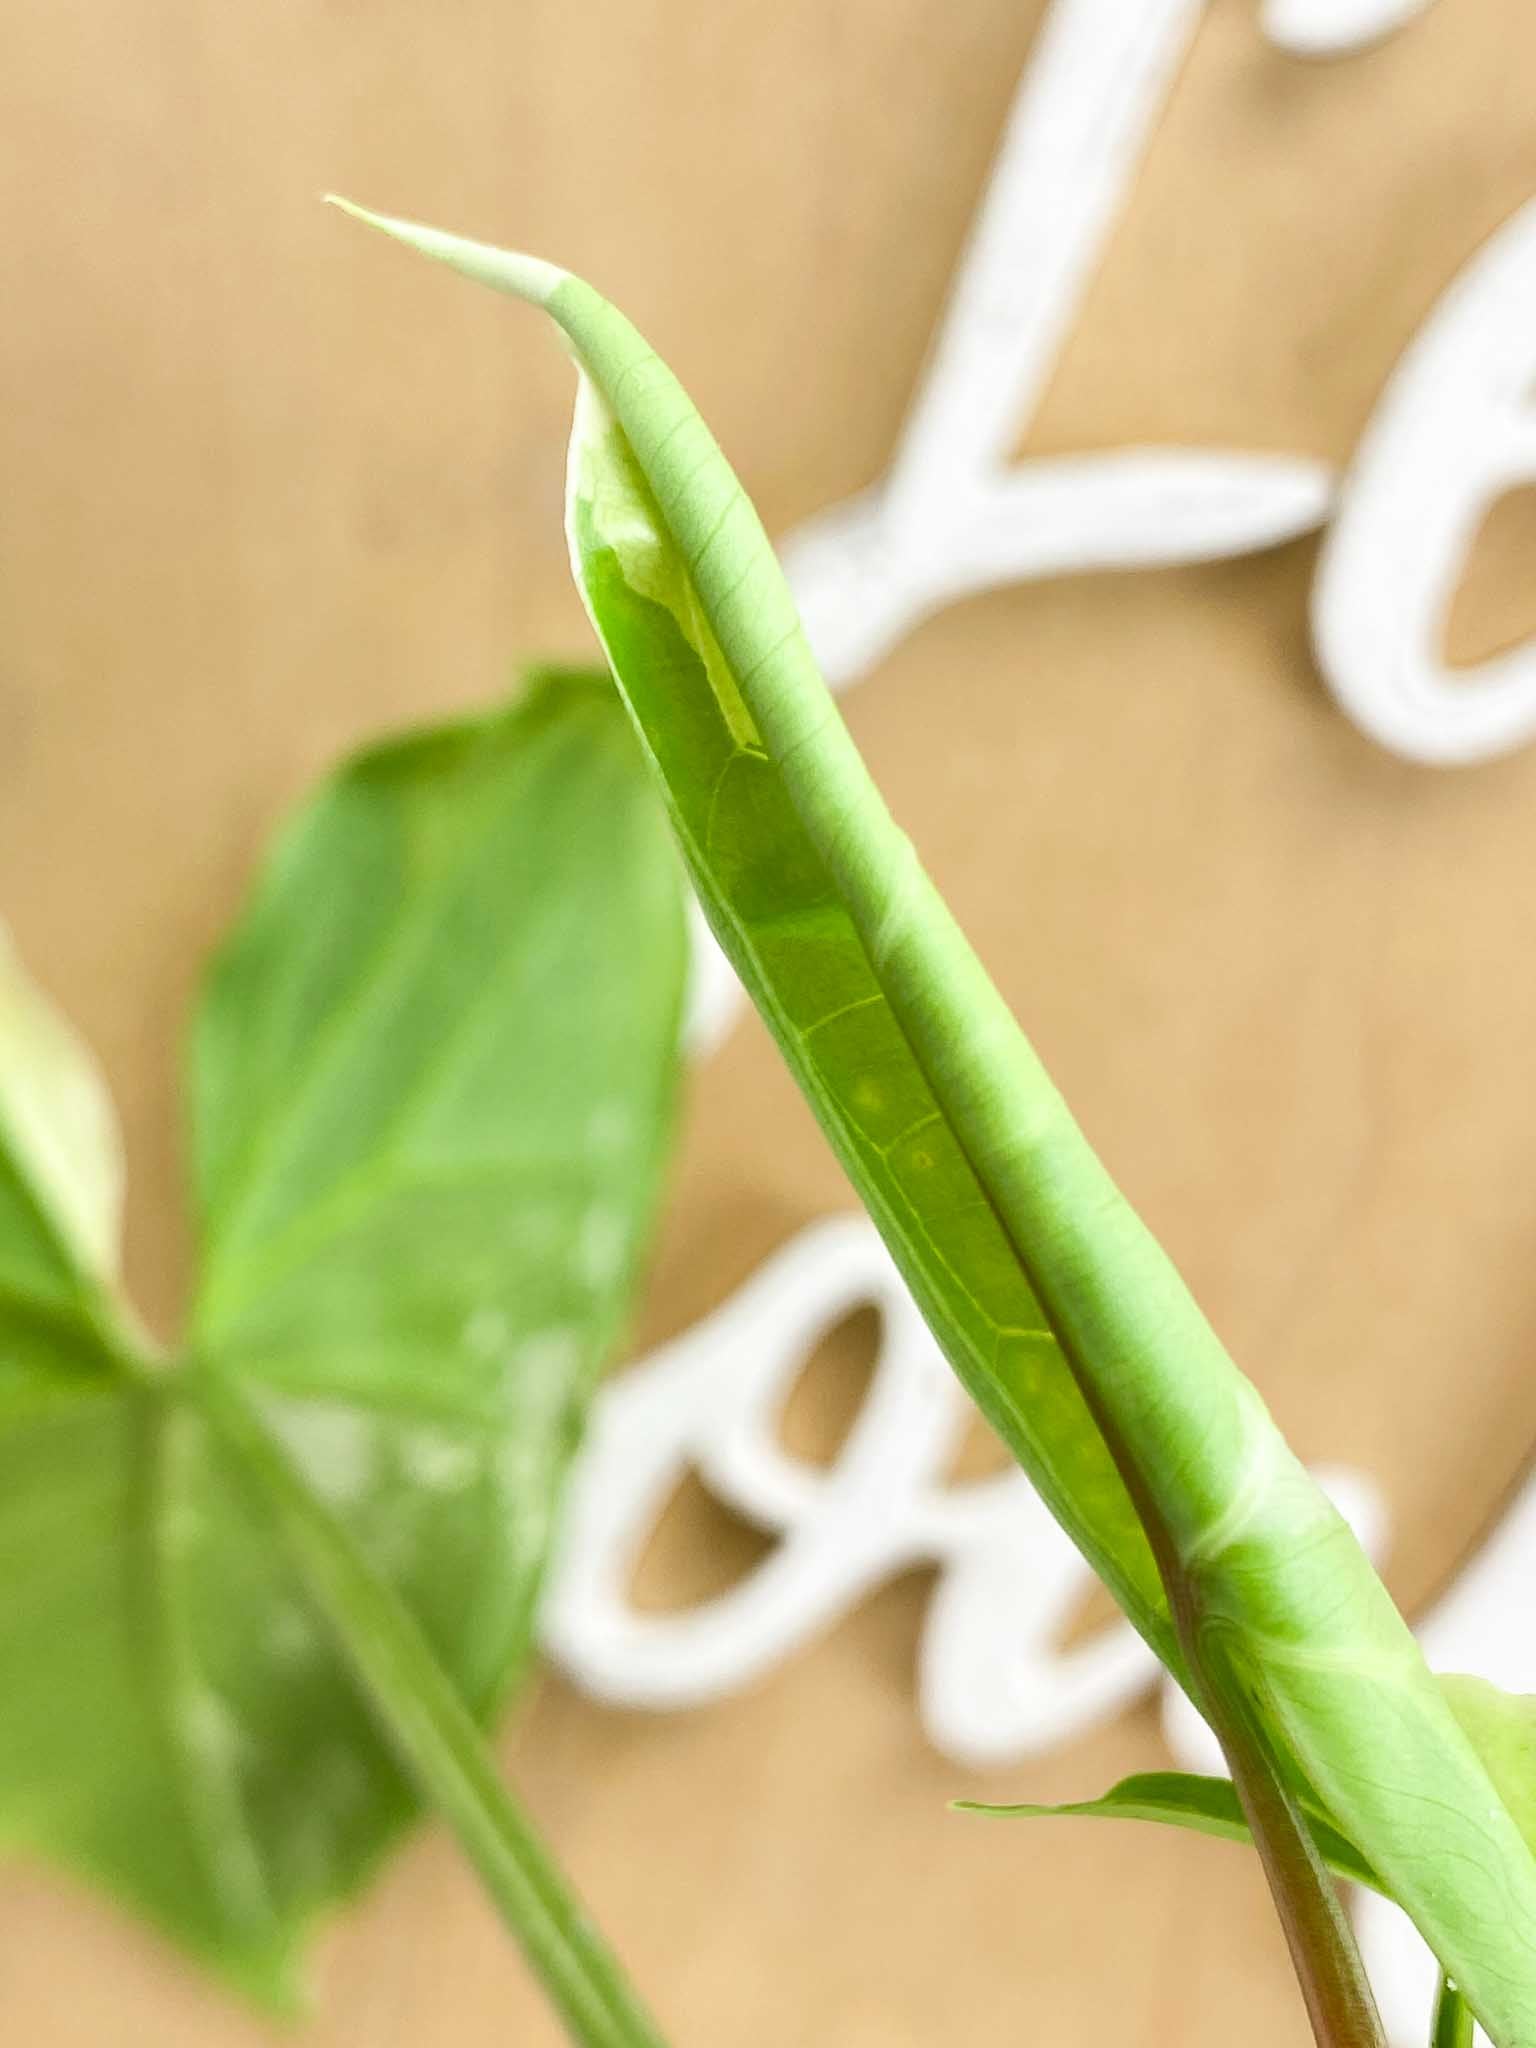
(504, 270)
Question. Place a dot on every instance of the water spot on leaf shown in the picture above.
(437, 1462)
(609, 1125)
(601, 1245)
(551, 1355)
(486, 1332)
(335, 1446)
(291, 1637)
(211, 1730)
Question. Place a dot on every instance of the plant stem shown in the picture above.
(1323, 1949)
(434, 1734)
(1324, 1952)
(1451, 2026)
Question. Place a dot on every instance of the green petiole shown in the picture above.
(423, 1715)
(1452, 2025)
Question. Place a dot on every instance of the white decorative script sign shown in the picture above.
(996, 1685)
(1454, 428)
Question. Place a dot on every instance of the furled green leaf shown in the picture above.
(433, 1072)
(1057, 1307)
(1205, 1806)
(793, 940)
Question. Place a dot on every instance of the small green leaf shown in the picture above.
(1205, 1806)
(1053, 1301)
(433, 1079)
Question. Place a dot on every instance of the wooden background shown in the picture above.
(269, 487)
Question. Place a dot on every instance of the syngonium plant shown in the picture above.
(241, 1573)
(1055, 1305)
(425, 1172)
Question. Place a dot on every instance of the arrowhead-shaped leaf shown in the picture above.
(433, 1074)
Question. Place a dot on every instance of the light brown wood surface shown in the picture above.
(270, 487)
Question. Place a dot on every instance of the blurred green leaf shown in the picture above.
(433, 1078)
(61, 1178)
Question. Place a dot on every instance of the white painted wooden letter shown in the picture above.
(1456, 426)
(955, 514)
(1329, 28)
